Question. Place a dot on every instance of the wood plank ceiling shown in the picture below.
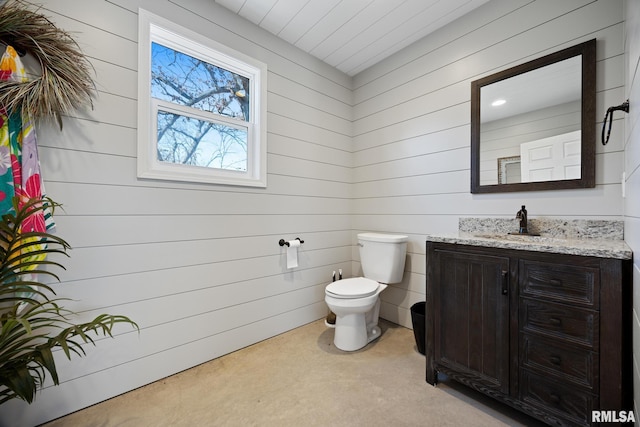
(351, 35)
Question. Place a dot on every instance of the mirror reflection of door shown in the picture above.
(551, 159)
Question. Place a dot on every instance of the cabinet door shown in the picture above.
(471, 317)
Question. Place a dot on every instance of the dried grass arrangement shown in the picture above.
(64, 83)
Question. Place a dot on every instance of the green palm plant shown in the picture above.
(32, 321)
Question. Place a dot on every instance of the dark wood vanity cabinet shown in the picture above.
(471, 322)
(549, 334)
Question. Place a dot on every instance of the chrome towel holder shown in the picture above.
(283, 242)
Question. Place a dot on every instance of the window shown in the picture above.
(201, 108)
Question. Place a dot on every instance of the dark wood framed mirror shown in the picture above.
(544, 114)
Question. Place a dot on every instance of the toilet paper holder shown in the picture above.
(283, 242)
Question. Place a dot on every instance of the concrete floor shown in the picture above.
(300, 379)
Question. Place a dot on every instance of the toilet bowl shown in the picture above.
(355, 301)
(356, 305)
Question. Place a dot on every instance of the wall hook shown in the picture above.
(283, 242)
(609, 114)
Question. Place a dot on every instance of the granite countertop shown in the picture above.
(601, 239)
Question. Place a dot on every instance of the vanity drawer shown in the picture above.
(563, 362)
(553, 396)
(574, 284)
(577, 326)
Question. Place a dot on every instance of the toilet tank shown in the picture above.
(382, 256)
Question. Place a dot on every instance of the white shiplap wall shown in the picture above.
(632, 168)
(197, 266)
(412, 126)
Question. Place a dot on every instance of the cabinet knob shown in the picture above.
(555, 321)
(556, 360)
(554, 398)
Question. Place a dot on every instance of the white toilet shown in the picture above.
(355, 301)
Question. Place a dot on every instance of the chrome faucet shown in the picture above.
(522, 216)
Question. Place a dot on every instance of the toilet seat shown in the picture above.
(357, 287)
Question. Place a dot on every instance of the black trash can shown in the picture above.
(418, 312)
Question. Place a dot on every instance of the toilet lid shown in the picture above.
(357, 287)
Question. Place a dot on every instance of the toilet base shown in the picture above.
(356, 320)
(355, 330)
(374, 333)
(350, 332)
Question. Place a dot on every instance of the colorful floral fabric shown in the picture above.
(20, 176)
(19, 164)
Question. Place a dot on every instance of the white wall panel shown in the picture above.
(99, 43)
(297, 110)
(285, 165)
(284, 183)
(415, 225)
(465, 204)
(99, 14)
(114, 79)
(404, 128)
(428, 183)
(513, 31)
(301, 149)
(442, 161)
(119, 200)
(309, 95)
(316, 133)
(631, 144)
(418, 102)
(86, 135)
(632, 169)
(427, 143)
(198, 266)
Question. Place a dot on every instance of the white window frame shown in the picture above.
(153, 28)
